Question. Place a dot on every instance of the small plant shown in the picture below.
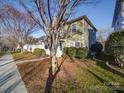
(39, 52)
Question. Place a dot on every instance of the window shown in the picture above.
(73, 28)
(77, 44)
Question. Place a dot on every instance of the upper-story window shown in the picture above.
(74, 28)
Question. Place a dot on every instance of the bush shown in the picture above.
(81, 53)
(96, 48)
(75, 52)
(65, 51)
(114, 46)
(1, 54)
(16, 51)
(39, 52)
(69, 51)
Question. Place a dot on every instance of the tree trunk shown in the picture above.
(22, 50)
(53, 50)
(52, 71)
(54, 63)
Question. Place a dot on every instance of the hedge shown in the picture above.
(39, 52)
(82, 53)
(75, 52)
(114, 46)
(16, 51)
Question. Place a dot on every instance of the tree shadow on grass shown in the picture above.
(110, 86)
(104, 65)
(51, 78)
(102, 60)
(99, 78)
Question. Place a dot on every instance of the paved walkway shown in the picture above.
(10, 79)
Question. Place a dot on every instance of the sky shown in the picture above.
(100, 14)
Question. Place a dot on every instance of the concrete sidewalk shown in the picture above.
(10, 79)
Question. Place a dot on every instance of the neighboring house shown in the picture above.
(118, 18)
(77, 33)
(41, 44)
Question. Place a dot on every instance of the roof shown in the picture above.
(116, 12)
(80, 18)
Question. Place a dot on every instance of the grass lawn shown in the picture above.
(75, 76)
(24, 56)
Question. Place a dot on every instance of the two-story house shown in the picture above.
(118, 18)
(79, 32)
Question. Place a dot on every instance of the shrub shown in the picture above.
(39, 52)
(71, 51)
(16, 51)
(1, 54)
(65, 51)
(75, 52)
(96, 48)
(81, 53)
(114, 46)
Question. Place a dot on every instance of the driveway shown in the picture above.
(10, 79)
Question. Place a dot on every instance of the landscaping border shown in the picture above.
(114, 70)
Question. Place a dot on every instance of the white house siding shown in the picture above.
(31, 48)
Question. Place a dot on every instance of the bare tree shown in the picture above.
(52, 15)
(103, 34)
(17, 25)
(31, 40)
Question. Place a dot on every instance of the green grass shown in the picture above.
(94, 78)
(23, 56)
(91, 80)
